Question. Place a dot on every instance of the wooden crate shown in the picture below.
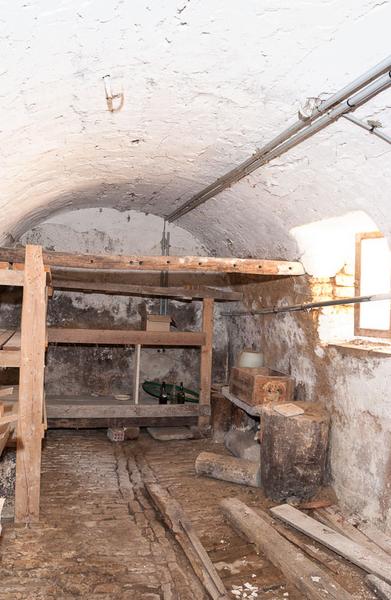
(157, 323)
(261, 386)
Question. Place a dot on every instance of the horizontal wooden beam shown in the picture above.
(146, 290)
(124, 337)
(9, 358)
(8, 418)
(122, 411)
(105, 422)
(251, 266)
(11, 277)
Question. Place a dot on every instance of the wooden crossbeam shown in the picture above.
(124, 337)
(146, 290)
(9, 358)
(11, 277)
(204, 264)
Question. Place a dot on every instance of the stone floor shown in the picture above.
(99, 537)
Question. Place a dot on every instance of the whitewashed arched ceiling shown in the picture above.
(204, 84)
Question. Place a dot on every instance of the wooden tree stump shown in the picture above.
(293, 451)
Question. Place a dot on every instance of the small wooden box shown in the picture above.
(157, 323)
(261, 386)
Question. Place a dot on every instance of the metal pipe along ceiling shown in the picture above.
(346, 100)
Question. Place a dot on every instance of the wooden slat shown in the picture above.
(207, 264)
(206, 357)
(124, 337)
(312, 581)
(5, 433)
(11, 277)
(13, 343)
(5, 335)
(146, 290)
(8, 418)
(123, 411)
(334, 518)
(355, 553)
(31, 381)
(378, 537)
(9, 358)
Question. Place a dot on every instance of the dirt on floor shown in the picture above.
(100, 538)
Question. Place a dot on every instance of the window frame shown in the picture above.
(360, 331)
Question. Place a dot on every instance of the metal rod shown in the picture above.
(367, 127)
(267, 152)
(308, 306)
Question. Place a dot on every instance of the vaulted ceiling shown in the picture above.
(204, 85)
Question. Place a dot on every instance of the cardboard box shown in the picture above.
(157, 323)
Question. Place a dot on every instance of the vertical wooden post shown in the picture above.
(31, 388)
(206, 358)
(136, 374)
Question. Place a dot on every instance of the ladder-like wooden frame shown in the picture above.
(30, 360)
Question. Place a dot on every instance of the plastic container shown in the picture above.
(250, 359)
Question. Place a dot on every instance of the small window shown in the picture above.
(372, 276)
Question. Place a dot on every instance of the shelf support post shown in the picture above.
(206, 359)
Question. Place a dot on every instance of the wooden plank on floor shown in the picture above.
(124, 337)
(204, 264)
(31, 386)
(123, 411)
(314, 582)
(380, 587)
(333, 517)
(378, 537)
(183, 531)
(342, 545)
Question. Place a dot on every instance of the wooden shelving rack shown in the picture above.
(38, 272)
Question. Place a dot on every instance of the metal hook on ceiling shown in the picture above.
(112, 99)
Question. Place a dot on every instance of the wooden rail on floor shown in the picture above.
(250, 266)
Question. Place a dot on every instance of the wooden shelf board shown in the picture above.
(72, 410)
(254, 411)
(124, 337)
